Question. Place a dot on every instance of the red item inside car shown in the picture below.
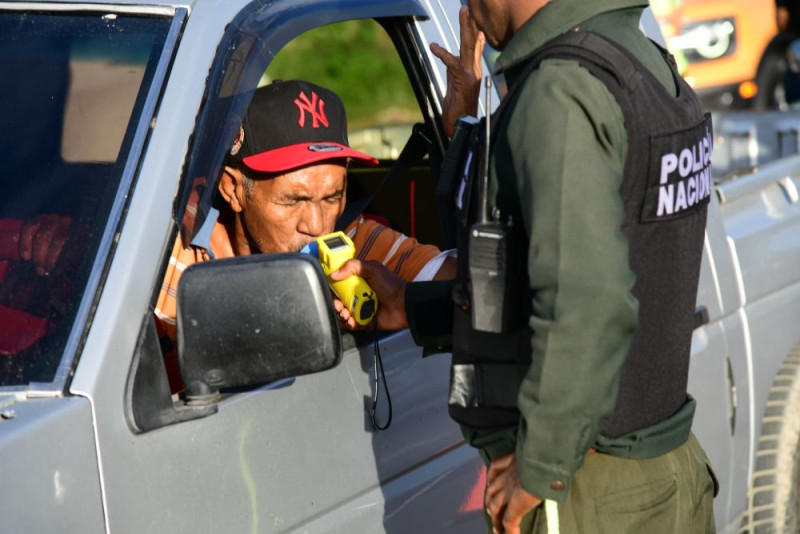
(9, 239)
(19, 330)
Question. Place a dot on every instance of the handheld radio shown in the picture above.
(333, 250)
(493, 302)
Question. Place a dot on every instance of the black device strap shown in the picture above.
(415, 149)
(574, 45)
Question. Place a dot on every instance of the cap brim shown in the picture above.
(293, 156)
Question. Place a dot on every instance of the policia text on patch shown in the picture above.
(684, 174)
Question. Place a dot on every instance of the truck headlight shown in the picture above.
(703, 41)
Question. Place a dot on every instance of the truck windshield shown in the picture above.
(71, 95)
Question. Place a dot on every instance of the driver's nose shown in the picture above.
(312, 221)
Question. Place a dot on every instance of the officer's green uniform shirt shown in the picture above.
(557, 167)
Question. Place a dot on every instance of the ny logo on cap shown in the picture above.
(315, 106)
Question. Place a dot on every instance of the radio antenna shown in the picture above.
(484, 208)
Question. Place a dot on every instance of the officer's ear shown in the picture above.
(231, 187)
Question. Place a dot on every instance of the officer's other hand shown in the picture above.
(389, 288)
(506, 501)
(42, 241)
(464, 72)
(346, 319)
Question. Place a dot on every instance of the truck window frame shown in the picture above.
(244, 53)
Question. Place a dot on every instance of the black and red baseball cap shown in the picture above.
(291, 124)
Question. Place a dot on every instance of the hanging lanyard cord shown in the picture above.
(378, 366)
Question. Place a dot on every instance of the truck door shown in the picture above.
(719, 373)
(77, 97)
(299, 454)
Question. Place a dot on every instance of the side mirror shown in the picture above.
(251, 320)
(242, 322)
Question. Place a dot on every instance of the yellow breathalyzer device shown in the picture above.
(354, 292)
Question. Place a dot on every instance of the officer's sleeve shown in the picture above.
(564, 151)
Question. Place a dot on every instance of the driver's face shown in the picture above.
(283, 213)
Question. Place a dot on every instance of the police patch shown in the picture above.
(679, 178)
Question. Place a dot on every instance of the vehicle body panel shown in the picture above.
(299, 455)
(755, 233)
(247, 468)
(50, 469)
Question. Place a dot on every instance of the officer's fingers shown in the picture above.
(512, 516)
(496, 511)
(510, 525)
(468, 31)
(346, 316)
(375, 272)
(493, 472)
(495, 495)
(466, 19)
(493, 505)
(450, 61)
(477, 54)
(348, 322)
(520, 503)
(350, 268)
(500, 464)
(346, 319)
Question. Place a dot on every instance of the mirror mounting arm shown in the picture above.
(149, 403)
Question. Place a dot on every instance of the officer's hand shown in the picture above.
(390, 290)
(346, 319)
(42, 241)
(464, 72)
(506, 501)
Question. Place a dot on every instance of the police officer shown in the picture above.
(598, 181)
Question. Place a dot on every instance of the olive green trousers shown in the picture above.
(670, 494)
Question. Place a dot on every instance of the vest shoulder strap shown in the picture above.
(591, 50)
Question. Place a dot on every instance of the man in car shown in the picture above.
(284, 185)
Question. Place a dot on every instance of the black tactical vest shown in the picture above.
(666, 188)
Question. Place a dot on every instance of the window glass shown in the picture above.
(358, 61)
(70, 99)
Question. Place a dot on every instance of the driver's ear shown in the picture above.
(231, 187)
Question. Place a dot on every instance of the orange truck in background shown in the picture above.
(729, 51)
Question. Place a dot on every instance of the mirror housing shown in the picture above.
(251, 320)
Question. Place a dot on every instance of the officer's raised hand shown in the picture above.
(389, 288)
(464, 72)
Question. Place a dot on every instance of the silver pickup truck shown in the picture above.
(114, 122)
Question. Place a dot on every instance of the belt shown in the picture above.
(654, 440)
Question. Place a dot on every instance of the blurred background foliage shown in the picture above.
(358, 61)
